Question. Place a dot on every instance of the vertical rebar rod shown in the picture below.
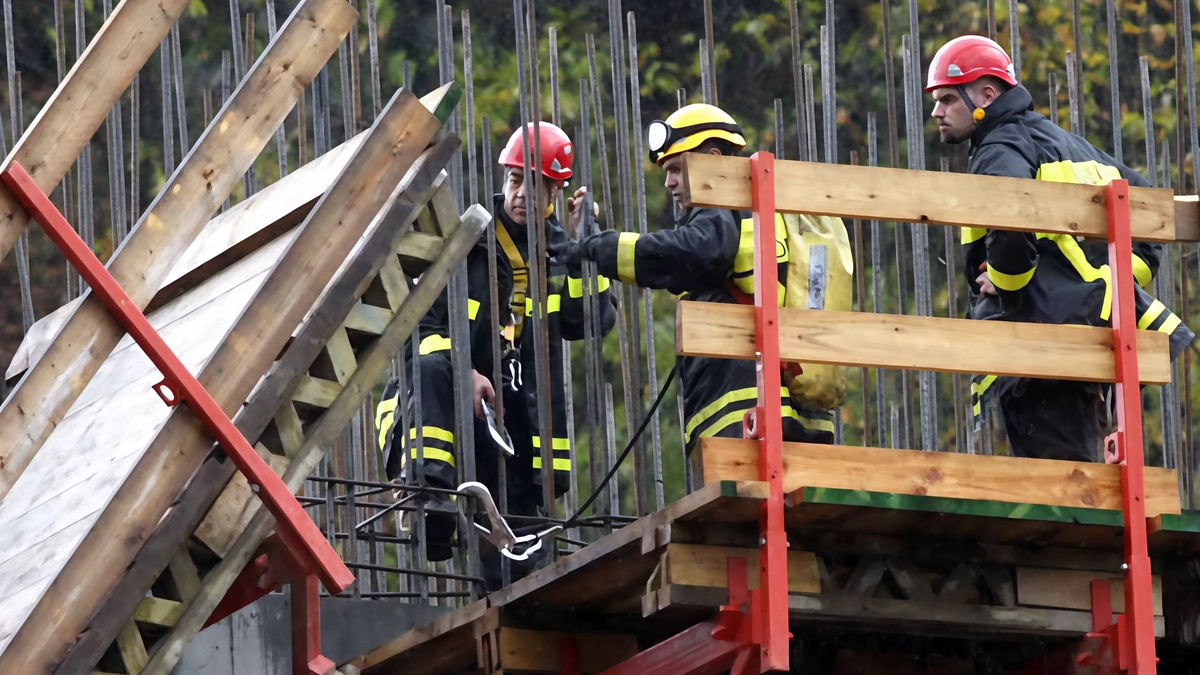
(417, 475)
(1075, 71)
(355, 76)
(639, 170)
(798, 80)
(115, 150)
(628, 294)
(1014, 38)
(593, 373)
(1189, 63)
(60, 56)
(302, 130)
(135, 150)
(344, 83)
(469, 79)
(828, 102)
(861, 306)
(956, 380)
(991, 19)
(86, 226)
(1075, 111)
(14, 111)
(710, 72)
(235, 23)
(373, 48)
(1053, 98)
(1114, 83)
(706, 92)
(1148, 119)
(185, 143)
(810, 113)
(281, 132)
(406, 74)
(877, 281)
(889, 80)
(612, 490)
(168, 122)
(226, 88)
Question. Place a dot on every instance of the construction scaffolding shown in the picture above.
(285, 284)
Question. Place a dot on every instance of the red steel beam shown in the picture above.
(1138, 594)
(306, 629)
(294, 526)
(773, 539)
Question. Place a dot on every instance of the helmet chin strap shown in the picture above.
(977, 113)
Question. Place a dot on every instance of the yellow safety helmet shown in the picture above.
(688, 127)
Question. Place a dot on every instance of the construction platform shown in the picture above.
(876, 580)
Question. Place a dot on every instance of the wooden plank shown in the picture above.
(218, 160)
(291, 430)
(317, 392)
(133, 650)
(368, 319)
(872, 193)
(942, 474)
(272, 393)
(536, 651)
(391, 276)
(1072, 589)
(1187, 218)
(458, 622)
(67, 122)
(1171, 532)
(184, 575)
(158, 611)
(341, 355)
(1063, 352)
(695, 565)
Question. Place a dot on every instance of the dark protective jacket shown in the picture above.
(437, 384)
(697, 258)
(1050, 278)
(565, 321)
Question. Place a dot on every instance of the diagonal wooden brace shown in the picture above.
(294, 526)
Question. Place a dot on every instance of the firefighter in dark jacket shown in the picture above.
(708, 257)
(436, 390)
(564, 307)
(1036, 277)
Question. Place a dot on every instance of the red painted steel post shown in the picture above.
(306, 629)
(773, 540)
(1138, 594)
(293, 525)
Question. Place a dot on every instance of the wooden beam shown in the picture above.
(132, 649)
(1085, 353)
(67, 122)
(158, 611)
(1187, 218)
(232, 511)
(218, 160)
(873, 193)
(941, 474)
(1072, 589)
(536, 651)
(695, 565)
(272, 396)
(321, 435)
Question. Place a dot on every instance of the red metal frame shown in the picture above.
(302, 536)
(306, 548)
(1137, 646)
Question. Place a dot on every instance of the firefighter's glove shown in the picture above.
(570, 253)
(510, 370)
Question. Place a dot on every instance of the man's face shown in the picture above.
(954, 119)
(515, 194)
(674, 182)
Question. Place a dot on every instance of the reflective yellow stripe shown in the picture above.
(810, 423)
(1070, 249)
(734, 417)
(559, 443)
(977, 389)
(1141, 271)
(1089, 172)
(1156, 309)
(626, 247)
(575, 286)
(1009, 282)
(701, 416)
(559, 463)
(435, 433)
(472, 309)
(434, 343)
(386, 412)
(435, 454)
(1170, 325)
(553, 304)
(743, 262)
(972, 234)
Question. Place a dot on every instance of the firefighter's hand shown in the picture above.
(985, 284)
(569, 253)
(483, 391)
(575, 206)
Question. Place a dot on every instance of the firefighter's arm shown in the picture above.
(697, 254)
(1146, 256)
(1011, 256)
(571, 319)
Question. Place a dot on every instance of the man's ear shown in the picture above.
(713, 151)
(989, 94)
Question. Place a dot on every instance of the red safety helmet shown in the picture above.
(556, 149)
(966, 59)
